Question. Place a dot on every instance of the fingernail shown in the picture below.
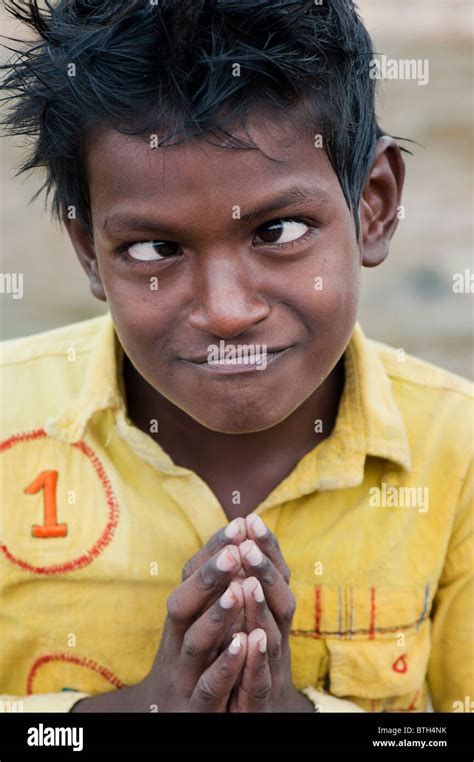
(235, 528)
(256, 525)
(262, 643)
(251, 552)
(228, 599)
(236, 644)
(258, 593)
(228, 558)
(236, 587)
(249, 584)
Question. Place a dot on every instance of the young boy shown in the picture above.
(222, 177)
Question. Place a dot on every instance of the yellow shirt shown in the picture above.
(97, 522)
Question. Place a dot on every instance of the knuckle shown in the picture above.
(263, 615)
(274, 648)
(216, 542)
(188, 570)
(174, 608)
(224, 668)
(261, 672)
(206, 578)
(269, 574)
(289, 611)
(216, 614)
(276, 551)
(190, 647)
(207, 692)
(262, 691)
(274, 543)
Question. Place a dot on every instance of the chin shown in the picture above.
(239, 421)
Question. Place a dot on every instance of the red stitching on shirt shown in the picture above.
(339, 623)
(351, 619)
(318, 633)
(348, 633)
(113, 514)
(372, 614)
(81, 662)
(26, 437)
(400, 665)
(413, 703)
(318, 612)
(413, 706)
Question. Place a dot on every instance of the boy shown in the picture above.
(222, 177)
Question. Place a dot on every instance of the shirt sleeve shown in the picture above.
(451, 666)
(41, 702)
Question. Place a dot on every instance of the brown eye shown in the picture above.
(282, 231)
(147, 251)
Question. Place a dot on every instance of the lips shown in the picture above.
(236, 365)
(203, 359)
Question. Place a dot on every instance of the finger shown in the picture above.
(239, 624)
(255, 683)
(259, 616)
(235, 532)
(278, 595)
(258, 531)
(203, 641)
(215, 685)
(198, 592)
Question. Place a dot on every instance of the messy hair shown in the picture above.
(139, 65)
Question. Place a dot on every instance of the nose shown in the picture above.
(226, 304)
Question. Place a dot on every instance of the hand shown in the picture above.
(266, 684)
(266, 624)
(194, 671)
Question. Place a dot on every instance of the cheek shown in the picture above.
(328, 307)
(144, 315)
(325, 289)
(336, 296)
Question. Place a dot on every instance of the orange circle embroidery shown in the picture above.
(112, 519)
(81, 662)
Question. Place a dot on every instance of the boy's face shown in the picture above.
(217, 277)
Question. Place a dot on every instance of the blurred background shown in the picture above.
(407, 302)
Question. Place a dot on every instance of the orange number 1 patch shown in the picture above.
(47, 480)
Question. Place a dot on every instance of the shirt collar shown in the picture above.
(101, 389)
(368, 420)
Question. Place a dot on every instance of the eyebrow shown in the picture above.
(294, 196)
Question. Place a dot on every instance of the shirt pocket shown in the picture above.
(376, 642)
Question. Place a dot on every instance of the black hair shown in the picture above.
(140, 64)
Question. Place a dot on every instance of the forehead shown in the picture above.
(124, 170)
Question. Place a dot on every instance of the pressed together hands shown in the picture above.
(225, 643)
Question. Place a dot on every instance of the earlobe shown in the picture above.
(95, 284)
(85, 250)
(380, 201)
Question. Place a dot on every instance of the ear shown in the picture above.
(85, 250)
(380, 201)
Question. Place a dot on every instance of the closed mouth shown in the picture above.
(204, 359)
(239, 364)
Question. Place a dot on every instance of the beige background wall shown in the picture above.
(409, 301)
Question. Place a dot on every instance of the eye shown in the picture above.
(282, 231)
(148, 251)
